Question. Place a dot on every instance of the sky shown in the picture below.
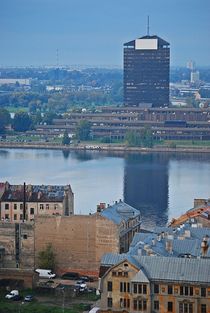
(92, 32)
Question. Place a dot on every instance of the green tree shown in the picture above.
(46, 258)
(22, 121)
(4, 119)
(48, 117)
(66, 139)
(83, 130)
(140, 138)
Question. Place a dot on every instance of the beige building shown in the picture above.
(24, 202)
(155, 284)
(79, 241)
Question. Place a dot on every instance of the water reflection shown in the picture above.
(161, 185)
(146, 186)
(4, 154)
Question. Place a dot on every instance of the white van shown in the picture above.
(43, 273)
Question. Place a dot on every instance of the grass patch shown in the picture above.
(12, 307)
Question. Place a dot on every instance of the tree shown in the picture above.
(46, 258)
(83, 130)
(22, 122)
(140, 138)
(4, 119)
(66, 139)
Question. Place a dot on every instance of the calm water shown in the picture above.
(162, 186)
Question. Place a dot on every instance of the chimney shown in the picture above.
(153, 241)
(169, 246)
(24, 201)
(39, 195)
(204, 247)
(101, 207)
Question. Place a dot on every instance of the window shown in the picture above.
(203, 308)
(139, 305)
(170, 289)
(184, 290)
(185, 308)
(124, 287)
(135, 304)
(203, 292)
(156, 288)
(32, 211)
(134, 288)
(109, 302)
(114, 274)
(21, 206)
(25, 236)
(41, 207)
(47, 206)
(191, 291)
(156, 305)
(15, 206)
(145, 289)
(21, 216)
(170, 306)
(15, 217)
(139, 288)
(6, 216)
(6, 206)
(55, 206)
(109, 286)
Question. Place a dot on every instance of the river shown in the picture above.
(160, 185)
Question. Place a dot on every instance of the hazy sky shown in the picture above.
(92, 32)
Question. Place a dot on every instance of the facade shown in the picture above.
(155, 284)
(115, 122)
(79, 241)
(146, 72)
(24, 202)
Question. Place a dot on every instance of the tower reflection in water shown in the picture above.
(146, 187)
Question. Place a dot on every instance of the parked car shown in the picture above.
(86, 278)
(12, 294)
(80, 287)
(16, 298)
(28, 298)
(71, 276)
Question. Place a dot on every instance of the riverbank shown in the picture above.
(104, 147)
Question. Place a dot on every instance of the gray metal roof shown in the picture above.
(176, 269)
(163, 268)
(140, 277)
(119, 212)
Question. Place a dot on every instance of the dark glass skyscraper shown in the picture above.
(146, 72)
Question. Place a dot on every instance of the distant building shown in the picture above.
(155, 284)
(195, 77)
(146, 72)
(24, 202)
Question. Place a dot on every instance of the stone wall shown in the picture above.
(78, 241)
(18, 243)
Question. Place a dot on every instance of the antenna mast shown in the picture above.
(148, 25)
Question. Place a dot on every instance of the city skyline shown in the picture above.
(93, 33)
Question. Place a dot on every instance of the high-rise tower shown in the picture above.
(146, 72)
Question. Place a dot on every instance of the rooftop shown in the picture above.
(120, 211)
(34, 193)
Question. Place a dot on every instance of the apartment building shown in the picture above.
(155, 284)
(24, 202)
